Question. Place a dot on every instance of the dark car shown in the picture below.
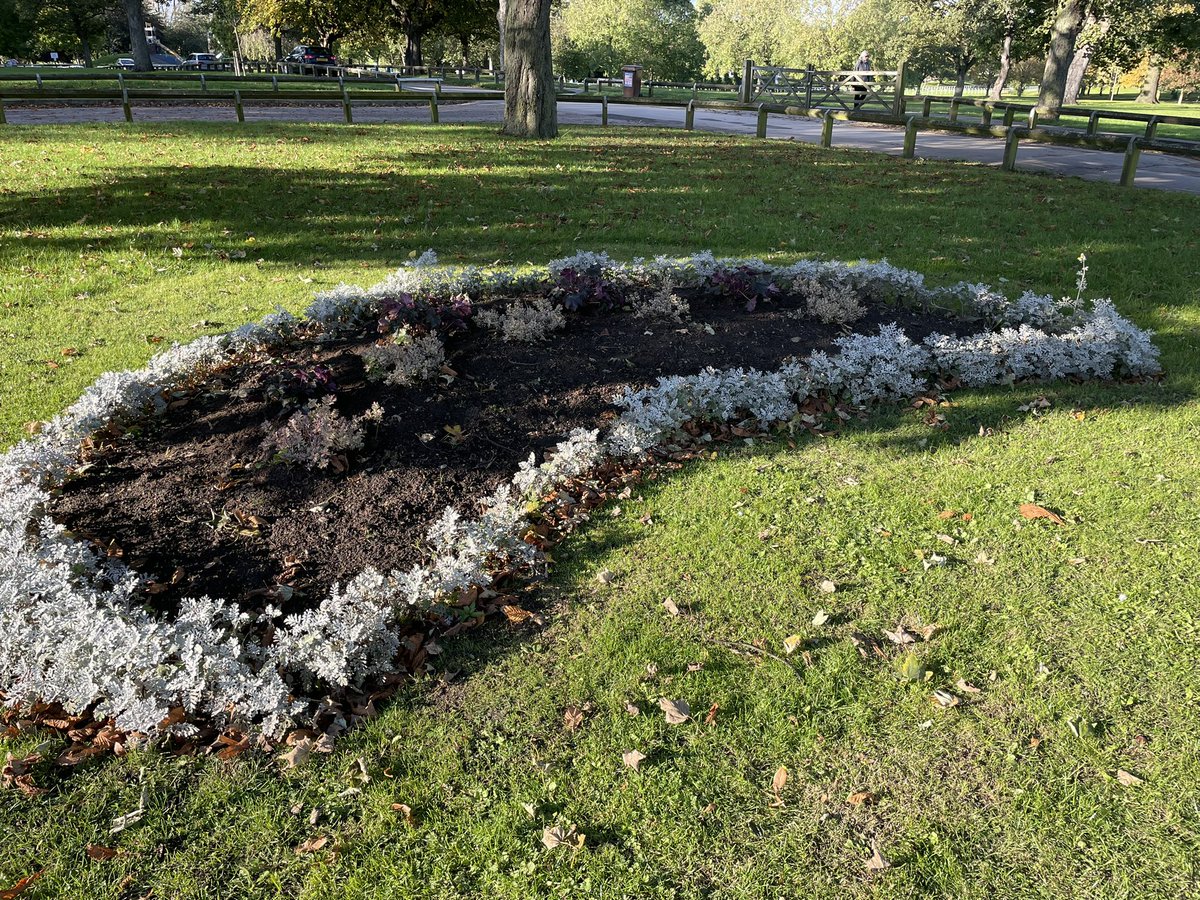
(309, 55)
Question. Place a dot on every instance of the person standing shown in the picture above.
(860, 81)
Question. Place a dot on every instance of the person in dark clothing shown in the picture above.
(860, 88)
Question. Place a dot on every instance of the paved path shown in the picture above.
(1156, 170)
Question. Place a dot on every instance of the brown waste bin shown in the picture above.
(631, 77)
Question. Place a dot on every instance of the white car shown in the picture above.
(202, 61)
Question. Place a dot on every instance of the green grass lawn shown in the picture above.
(1082, 638)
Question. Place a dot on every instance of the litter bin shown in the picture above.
(632, 78)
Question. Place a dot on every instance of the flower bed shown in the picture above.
(306, 457)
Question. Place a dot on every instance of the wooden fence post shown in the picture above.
(1151, 128)
(1011, 138)
(433, 108)
(1133, 153)
(689, 118)
(954, 109)
(1093, 122)
(926, 107)
(910, 138)
(604, 110)
(898, 98)
(275, 83)
(203, 82)
(761, 130)
(1009, 115)
(987, 114)
(2, 119)
(38, 76)
(346, 106)
(747, 78)
(827, 129)
(808, 86)
(1033, 118)
(125, 107)
(237, 105)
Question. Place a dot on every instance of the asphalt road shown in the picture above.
(1156, 170)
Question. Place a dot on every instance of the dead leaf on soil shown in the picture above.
(778, 782)
(792, 643)
(669, 606)
(516, 614)
(296, 756)
(820, 618)
(966, 687)
(711, 718)
(21, 886)
(632, 709)
(606, 576)
(1033, 511)
(633, 758)
(1129, 779)
(95, 851)
(827, 586)
(676, 711)
(862, 798)
(572, 718)
(558, 836)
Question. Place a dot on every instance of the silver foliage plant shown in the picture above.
(72, 629)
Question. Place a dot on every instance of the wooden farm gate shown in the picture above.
(810, 88)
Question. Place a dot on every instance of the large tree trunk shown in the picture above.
(1149, 91)
(140, 50)
(1005, 65)
(1058, 60)
(501, 14)
(960, 80)
(412, 49)
(278, 38)
(85, 50)
(1078, 68)
(530, 107)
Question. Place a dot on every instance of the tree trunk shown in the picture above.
(1149, 91)
(412, 49)
(1078, 68)
(1058, 60)
(278, 46)
(530, 106)
(139, 49)
(1005, 65)
(960, 80)
(501, 15)
(85, 50)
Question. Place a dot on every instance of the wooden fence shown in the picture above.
(1012, 133)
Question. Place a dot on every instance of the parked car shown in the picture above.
(202, 61)
(309, 55)
(125, 63)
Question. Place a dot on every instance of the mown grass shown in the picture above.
(1094, 622)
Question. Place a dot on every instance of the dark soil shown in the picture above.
(191, 502)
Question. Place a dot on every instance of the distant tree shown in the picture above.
(16, 29)
(70, 26)
(950, 35)
(657, 34)
(733, 31)
(135, 16)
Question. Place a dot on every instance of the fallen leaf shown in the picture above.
(632, 758)
(1129, 779)
(606, 576)
(827, 587)
(910, 667)
(669, 606)
(947, 514)
(676, 711)
(711, 718)
(406, 812)
(516, 614)
(982, 559)
(95, 851)
(820, 618)
(558, 836)
(21, 886)
(966, 687)
(780, 780)
(313, 844)
(1033, 511)
(297, 755)
(791, 643)
(572, 718)
(861, 798)
(878, 862)
(900, 636)
(944, 699)
(632, 709)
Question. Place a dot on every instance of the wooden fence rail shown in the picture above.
(1012, 133)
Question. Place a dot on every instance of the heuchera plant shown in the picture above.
(449, 315)
(745, 284)
(576, 288)
(299, 383)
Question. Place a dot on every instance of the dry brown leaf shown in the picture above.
(670, 606)
(878, 862)
(632, 709)
(827, 587)
(21, 886)
(572, 718)
(406, 811)
(947, 514)
(516, 614)
(676, 711)
(1129, 779)
(313, 844)
(1033, 511)
(966, 687)
(95, 851)
(900, 636)
(297, 755)
(862, 798)
(792, 643)
(711, 718)
(780, 780)
(607, 576)
(558, 836)
(633, 758)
